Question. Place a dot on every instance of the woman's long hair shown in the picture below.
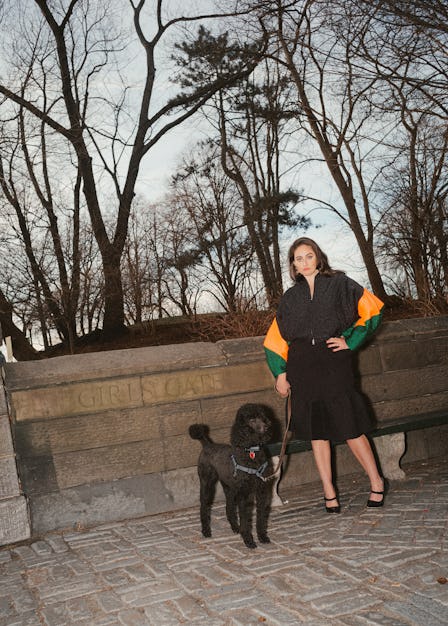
(322, 260)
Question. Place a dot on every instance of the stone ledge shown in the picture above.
(14, 522)
(6, 447)
(115, 363)
(412, 328)
(9, 482)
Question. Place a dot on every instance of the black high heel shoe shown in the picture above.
(332, 509)
(378, 503)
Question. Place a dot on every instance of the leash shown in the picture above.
(285, 437)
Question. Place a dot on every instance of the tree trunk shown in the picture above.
(113, 321)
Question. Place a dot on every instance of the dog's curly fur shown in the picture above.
(252, 427)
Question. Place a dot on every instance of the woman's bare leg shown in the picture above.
(363, 452)
(322, 457)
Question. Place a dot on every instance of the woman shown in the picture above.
(319, 321)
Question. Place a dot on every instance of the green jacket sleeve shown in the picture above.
(370, 311)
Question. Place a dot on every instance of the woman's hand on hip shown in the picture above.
(337, 343)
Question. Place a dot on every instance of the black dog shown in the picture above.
(241, 468)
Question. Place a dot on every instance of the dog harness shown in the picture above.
(249, 470)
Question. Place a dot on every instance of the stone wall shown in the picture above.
(14, 521)
(103, 436)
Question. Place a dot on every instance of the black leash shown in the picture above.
(285, 437)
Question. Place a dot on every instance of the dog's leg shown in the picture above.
(208, 479)
(245, 507)
(231, 509)
(263, 507)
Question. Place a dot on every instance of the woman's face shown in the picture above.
(305, 261)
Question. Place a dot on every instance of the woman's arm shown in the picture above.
(276, 350)
(370, 311)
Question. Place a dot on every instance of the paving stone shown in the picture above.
(109, 601)
(150, 591)
(57, 544)
(351, 601)
(374, 618)
(192, 609)
(6, 605)
(415, 614)
(31, 618)
(132, 617)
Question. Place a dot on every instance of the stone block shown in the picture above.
(37, 475)
(391, 409)
(405, 383)
(242, 350)
(117, 363)
(369, 360)
(175, 418)
(46, 437)
(14, 522)
(76, 399)
(6, 447)
(432, 351)
(436, 325)
(87, 505)
(222, 410)
(390, 449)
(3, 405)
(415, 353)
(201, 383)
(399, 356)
(114, 462)
(178, 452)
(9, 483)
(407, 329)
(60, 471)
(426, 444)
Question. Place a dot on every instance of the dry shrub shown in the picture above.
(249, 323)
(402, 308)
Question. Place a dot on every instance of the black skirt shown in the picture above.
(324, 401)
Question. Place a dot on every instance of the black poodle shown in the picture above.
(242, 468)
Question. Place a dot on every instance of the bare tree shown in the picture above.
(28, 181)
(253, 124)
(213, 206)
(138, 263)
(80, 43)
(181, 256)
(427, 15)
(405, 45)
(334, 107)
(414, 231)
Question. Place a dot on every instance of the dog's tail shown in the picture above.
(200, 432)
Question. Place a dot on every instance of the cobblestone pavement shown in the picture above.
(365, 566)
